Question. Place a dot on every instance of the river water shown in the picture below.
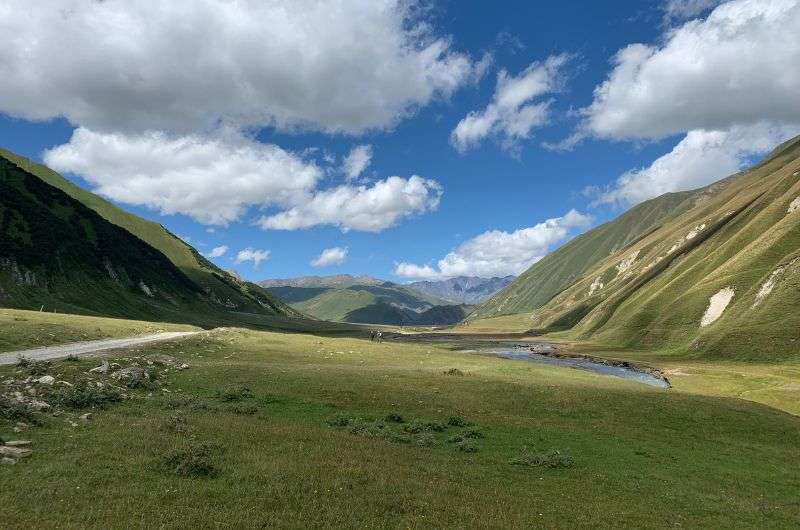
(583, 364)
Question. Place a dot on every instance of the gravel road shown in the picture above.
(88, 347)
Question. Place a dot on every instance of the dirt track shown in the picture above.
(88, 347)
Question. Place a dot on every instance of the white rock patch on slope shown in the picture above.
(696, 230)
(795, 205)
(597, 284)
(626, 264)
(768, 286)
(716, 305)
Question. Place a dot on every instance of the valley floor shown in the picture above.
(268, 429)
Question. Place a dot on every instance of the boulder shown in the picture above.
(46, 380)
(18, 443)
(102, 369)
(6, 461)
(133, 374)
(14, 452)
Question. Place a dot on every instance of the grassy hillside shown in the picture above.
(735, 242)
(284, 431)
(559, 269)
(219, 287)
(370, 303)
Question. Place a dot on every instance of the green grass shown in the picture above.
(31, 329)
(559, 447)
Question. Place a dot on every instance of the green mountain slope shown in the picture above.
(345, 299)
(720, 276)
(57, 231)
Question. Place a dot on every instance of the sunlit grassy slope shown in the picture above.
(742, 233)
(641, 457)
(50, 198)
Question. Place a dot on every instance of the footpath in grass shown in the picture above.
(250, 429)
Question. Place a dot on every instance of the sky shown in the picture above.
(404, 140)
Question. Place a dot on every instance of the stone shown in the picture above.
(102, 369)
(15, 452)
(87, 416)
(46, 380)
(39, 405)
(183, 366)
(18, 443)
(6, 461)
(132, 374)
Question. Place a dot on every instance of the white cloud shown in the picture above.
(187, 65)
(685, 9)
(357, 161)
(217, 252)
(499, 253)
(330, 256)
(369, 209)
(250, 254)
(512, 114)
(700, 158)
(738, 66)
(213, 180)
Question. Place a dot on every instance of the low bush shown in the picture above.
(234, 394)
(339, 420)
(86, 394)
(14, 411)
(457, 421)
(394, 417)
(194, 459)
(454, 371)
(551, 459)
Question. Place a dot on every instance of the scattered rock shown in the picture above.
(87, 416)
(102, 369)
(15, 452)
(183, 366)
(46, 380)
(133, 373)
(18, 443)
(6, 461)
(716, 306)
(39, 405)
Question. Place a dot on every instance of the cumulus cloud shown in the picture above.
(685, 9)
(701, 158)
(369, 209)
(187, 65)
(217, 252)
(512, 114)
(253, 255)
(212, 180)
(499, 253)
(330, 256)
(738, 66)
(356, 161)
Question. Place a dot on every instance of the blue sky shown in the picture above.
(628, 82)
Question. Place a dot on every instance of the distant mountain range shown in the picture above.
(463, 289)
(363, 299)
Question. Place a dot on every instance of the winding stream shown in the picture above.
(630, 374)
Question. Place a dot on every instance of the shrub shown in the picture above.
(394, 417)
(457, 421)
(34, 367)
(178, 424)
(369, 429)
(425, 440)
(234, 394)
(551, 459)
(86, 394)
(454, 371)
(194, 459)
(472, 433)
(72, 358)
(14, 411)
(339, 420)
(467, 446)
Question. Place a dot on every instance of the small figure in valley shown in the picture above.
(372, 336)
(380, 336)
